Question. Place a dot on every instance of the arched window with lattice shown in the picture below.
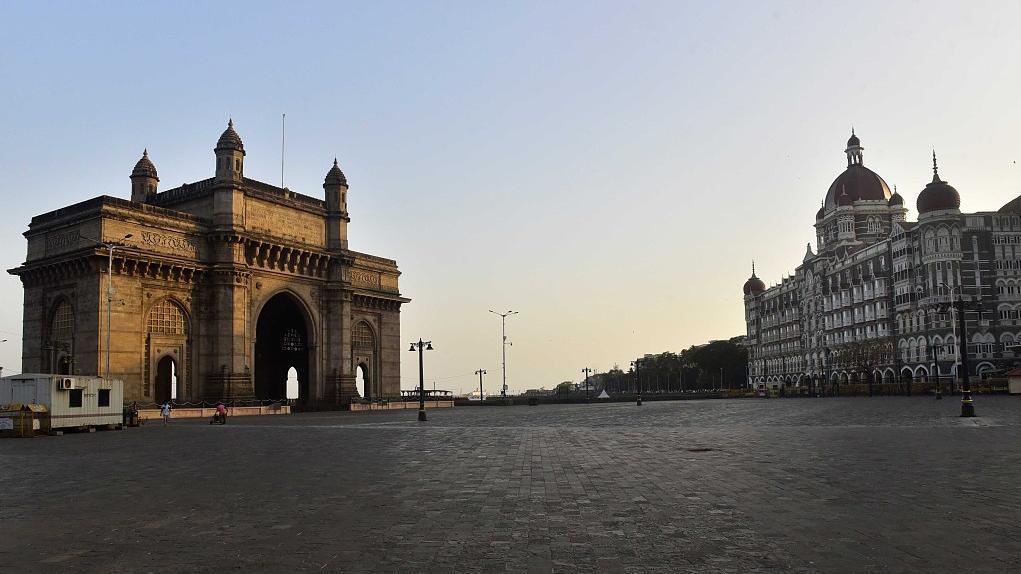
(59, 350)
(362, 338)
(62, 322)
(167, 318)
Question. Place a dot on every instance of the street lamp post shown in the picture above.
(421, 346)
(638, 379)
(503, 331)
(110, 246)
(826, 365)
(586, 370)
(481, 372)
(967, 405)
(935, 363)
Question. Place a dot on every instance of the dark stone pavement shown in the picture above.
(890, 484)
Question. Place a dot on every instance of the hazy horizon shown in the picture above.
(609, 171)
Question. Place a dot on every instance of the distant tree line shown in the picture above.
(715, 365)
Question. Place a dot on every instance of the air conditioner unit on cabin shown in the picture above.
(65, 384)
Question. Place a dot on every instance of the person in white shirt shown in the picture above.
(165, 412)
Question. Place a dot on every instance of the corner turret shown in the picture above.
(143, 179)
(335, 187)
(230, 156)
(853, 151)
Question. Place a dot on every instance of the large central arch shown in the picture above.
(283, 339)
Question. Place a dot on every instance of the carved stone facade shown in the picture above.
(875, 285)
(220, 288)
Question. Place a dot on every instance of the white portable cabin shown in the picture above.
(1014, 382)
(72, 401)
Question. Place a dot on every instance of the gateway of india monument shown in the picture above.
(218, 289)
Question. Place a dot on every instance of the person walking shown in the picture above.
(165, 412)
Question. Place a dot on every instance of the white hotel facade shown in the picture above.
(874, 281)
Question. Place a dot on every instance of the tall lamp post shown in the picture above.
(421, 346)
(826, 365)
(967, 405)
(638, 379)
(586, 370)
(935, 363)
(503, 331)
(481, 372)
(110, 246)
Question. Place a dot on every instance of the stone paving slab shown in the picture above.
(891, 484)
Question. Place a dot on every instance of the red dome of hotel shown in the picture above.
(938, 195)
(857, 182)
(754, 285)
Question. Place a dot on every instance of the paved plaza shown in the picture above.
(891, 484)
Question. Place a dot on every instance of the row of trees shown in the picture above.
(716, 365)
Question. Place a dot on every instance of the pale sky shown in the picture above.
(607, 169)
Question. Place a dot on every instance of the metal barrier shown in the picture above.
(24, 420)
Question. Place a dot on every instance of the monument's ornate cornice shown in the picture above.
(125, 262)
(362, 300)
(276, 256)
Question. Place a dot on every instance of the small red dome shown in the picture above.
(754, 286)
(938, 195)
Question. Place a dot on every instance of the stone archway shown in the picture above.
(293, 391)
(984, 369)
(362, 380)
(921, 374)
(167, 338)
(164, 383)
(365, 357)
(59, 348)
(282, 342)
